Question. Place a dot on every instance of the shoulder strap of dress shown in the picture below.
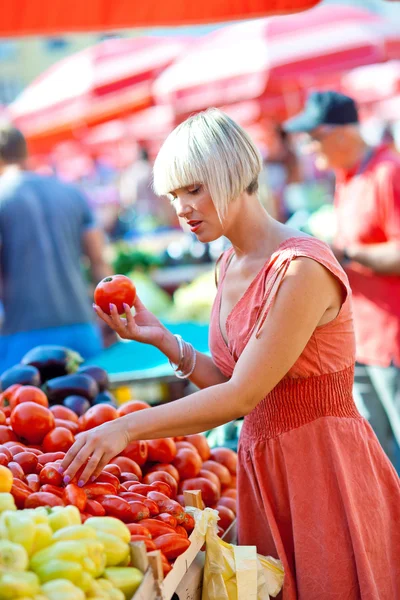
(220, 265)
(302, 247)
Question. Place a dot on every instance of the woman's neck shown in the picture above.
(254, 233)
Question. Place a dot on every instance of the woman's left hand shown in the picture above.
(95, 448)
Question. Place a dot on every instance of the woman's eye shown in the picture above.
(194, 190)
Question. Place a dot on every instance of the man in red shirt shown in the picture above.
(367, 243)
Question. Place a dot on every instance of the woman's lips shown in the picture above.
(194, 225)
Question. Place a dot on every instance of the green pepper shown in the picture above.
(126, 579)
(59, 569)
(19, 528)
(17, 584)
(110, 525)
(62, 589)
(63, 516)
(7, 502)
(115, 549)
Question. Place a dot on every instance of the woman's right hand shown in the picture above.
(143, 326)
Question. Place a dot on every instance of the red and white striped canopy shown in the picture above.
(109, 80)
(373, 83)
(255, 59)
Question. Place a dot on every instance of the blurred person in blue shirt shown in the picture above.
(46, 230)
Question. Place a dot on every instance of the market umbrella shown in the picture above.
(47, 17)
(259, 58)
(109, 80)
(373, 83)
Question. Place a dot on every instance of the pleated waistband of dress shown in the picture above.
(297, 401)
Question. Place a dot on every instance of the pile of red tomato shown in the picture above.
(143, 486)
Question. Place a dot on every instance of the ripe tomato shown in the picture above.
(167, 518)
(127, 465)
(49, 474)
(75, 495)
(132, 406)
(29, 393)
(97, 415)
(32, 421)
(116, 289)
(226, 516)
(228, 502)
(62, 412)
(114, 469)
(2, 418)
(230, 493)
(188, 463)
(162, 450)
(16, 470)
(166, 468)
(27, 460)
(138, 529)
(150, 545)
(7, 434)
(221, 472)
(162, 476)
(200, 442)
(136, 451)
(172, 544)
(211, 476)
(209, 491)
(73, 427)
(6, 397)
(58, 439)
(43, 499)
(226, 457)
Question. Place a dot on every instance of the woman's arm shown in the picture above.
(305, 294)
(205, 374)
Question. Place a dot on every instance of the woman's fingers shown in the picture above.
(103, 462)
(92, 465)
(138, 304)
(106, 318)
(73, 451)
(80, 458)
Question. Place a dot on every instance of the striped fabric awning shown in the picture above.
(253, 59)
(109, 80)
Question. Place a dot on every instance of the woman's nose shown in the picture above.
(183, 209)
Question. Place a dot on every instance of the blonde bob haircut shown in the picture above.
(208, 148)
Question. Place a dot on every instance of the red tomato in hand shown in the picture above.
(32, 421)
(59, 439)
(116, 289)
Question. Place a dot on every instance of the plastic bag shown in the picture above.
(237, 572)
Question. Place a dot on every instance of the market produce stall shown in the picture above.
(138, 530)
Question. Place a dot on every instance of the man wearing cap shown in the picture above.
(367, 242)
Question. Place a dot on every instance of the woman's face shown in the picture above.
(193, 204)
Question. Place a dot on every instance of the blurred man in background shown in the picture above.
(46, 229)
(367, 208)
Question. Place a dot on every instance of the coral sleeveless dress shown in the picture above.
(314, 485)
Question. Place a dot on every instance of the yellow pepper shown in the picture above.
(63, 516)
(115, 549)
(17, 584)
(110, 525)
(126, 579)
(7, 502)
(13, 556)
(97, 558)
(65, 550)
(59, 569)
(19, 528)
(62, 589)
(74, 532)
(112, 593)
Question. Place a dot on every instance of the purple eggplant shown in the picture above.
(98, 374)
(52, 361)
(78, 404)
(23, 374)
(105, 398)
(76, 384)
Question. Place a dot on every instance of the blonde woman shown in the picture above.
(314, 486)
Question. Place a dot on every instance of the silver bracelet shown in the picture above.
(178, 366)
(182, 375)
